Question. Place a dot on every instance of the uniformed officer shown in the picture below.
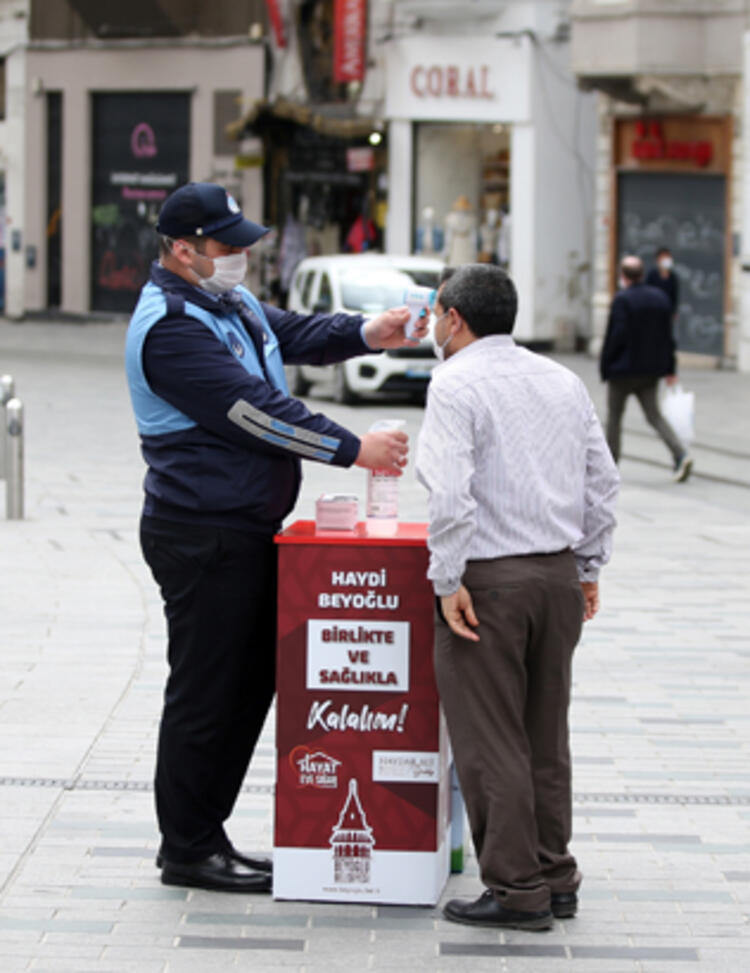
(222, 441)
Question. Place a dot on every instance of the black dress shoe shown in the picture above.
(219, 872)
(487, 911)
(564, 904)
(258, 862)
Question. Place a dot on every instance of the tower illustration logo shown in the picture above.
(352, 841)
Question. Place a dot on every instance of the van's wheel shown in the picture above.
(300, 385)
(342, 392)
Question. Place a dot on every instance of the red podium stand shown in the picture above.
(363, 785)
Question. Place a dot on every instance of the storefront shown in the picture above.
(324, 184)
(92, 152)
(670, 189)
(478, 169)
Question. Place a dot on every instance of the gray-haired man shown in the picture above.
(522, 491)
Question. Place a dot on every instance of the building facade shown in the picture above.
(390, 124)
(670, 156)
(103, 118)
(490, 138)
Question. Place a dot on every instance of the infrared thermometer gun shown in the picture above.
(420, 301)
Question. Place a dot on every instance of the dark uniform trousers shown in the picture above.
(506, 700)
(219, 592)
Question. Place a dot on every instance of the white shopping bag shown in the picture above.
(678, 408)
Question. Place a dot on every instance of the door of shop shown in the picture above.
(685, 213)
(140, 154)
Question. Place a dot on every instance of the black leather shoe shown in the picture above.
(564, 904)
(487, 911)
(258, 862)
(219, 872)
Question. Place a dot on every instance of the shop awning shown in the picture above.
(264, 115)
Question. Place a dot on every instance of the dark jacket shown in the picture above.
(210, 469)
(639, 341)
(668, 284)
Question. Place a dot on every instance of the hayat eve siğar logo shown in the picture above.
(143, 141)
(315, 769)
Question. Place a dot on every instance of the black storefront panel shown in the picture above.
(685, 213)
(140, 155)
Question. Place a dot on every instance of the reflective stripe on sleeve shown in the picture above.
(304, 442)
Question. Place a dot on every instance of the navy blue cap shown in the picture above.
(205, 209)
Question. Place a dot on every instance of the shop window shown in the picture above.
(324, 303)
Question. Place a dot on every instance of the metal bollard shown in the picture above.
(7, 391)
(14, 460)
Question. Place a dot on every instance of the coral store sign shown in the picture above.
(453, 81)
(459, 78)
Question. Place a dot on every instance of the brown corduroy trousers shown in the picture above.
(506, 701)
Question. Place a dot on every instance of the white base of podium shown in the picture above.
(395, 877)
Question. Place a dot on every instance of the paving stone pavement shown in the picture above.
(660, 715)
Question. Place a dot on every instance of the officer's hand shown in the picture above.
(387, 329)
(458, 611)
(385, 450)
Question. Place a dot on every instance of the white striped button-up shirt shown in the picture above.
(515, 462)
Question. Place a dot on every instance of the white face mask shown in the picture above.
(666, 263)
(228, 272)
(440, 348)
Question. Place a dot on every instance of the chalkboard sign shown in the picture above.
(685, 213)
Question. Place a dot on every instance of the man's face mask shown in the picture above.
(439, 348)
(666, 263)
(229, 271)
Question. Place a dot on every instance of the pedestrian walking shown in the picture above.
(223, 441)
(522, 490)
(664, 277)
(639, 349)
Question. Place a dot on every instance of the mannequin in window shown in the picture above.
(503, 242)
(460, 234)
(489, 233)
(429, 234)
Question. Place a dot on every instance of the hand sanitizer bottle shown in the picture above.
(382, 491)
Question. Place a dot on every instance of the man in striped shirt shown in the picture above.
(522, 489)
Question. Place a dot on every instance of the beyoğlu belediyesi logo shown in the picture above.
(352, 841)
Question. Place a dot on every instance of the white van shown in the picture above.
(365, 284)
